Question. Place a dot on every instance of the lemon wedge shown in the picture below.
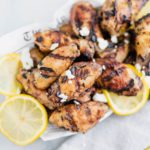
(9, 66)
(22, 119)
(144, 11)
(127, 105)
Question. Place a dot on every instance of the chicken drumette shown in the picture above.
(54, 64)
(116, 16)
(79, 118)
(118, 78)
(84, 21)
(75, 84)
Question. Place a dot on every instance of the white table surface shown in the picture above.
(115, 133)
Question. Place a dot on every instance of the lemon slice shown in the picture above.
(9, 66)
(22, 119)
(127, 105)
(144, 11)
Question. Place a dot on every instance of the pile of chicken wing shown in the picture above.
(88, 54)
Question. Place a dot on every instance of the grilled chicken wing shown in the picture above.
(50, 40)
(26, 78)
(54, 64)
(36, 55)
(142, 44)
(75, 83)
(79, 118)
(115, 16)
(118, 78)
(117, 52)
(84, 21)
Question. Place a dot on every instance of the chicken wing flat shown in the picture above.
(26, 78)
(118, 78)
(118, 53)
(143, 43)
(76, 83)
(50, 40)
(84, 21)
(36, 55)
(115, 16)
(79, 118)
(54, 64)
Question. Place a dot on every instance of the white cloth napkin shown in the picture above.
(115, 133)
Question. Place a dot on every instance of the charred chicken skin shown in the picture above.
(84, 21)
(76, 83)
(117, 52)
(36, 55)
(118, 78)
(116, 16)
(79, 118)
(50, 40)
(142, 44)
(54, 64)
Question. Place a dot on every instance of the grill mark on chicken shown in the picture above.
(141, 19)
(81, 87)
(78, 117)
(54, 64)
(57, 56)
(24, 76)
(113, 74)
(46, 69)
(126, 88)
(45, 76)
(71, 121)
(64, 79)
(39, 39)
(118, 78)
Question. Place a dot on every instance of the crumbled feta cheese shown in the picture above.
(69, 74)
(84, 31)
(114, 39)
(26, 59)
(103, 67)
(126, 41)
(70, 82)
(126, 34)
(99, 97)
(103, 44)
(116, 46)
(143, 67)
(76, 102)
(54, 46)
(63, 97)
(93, 60)
(63, 100)
(138, 67)
(147, 78)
